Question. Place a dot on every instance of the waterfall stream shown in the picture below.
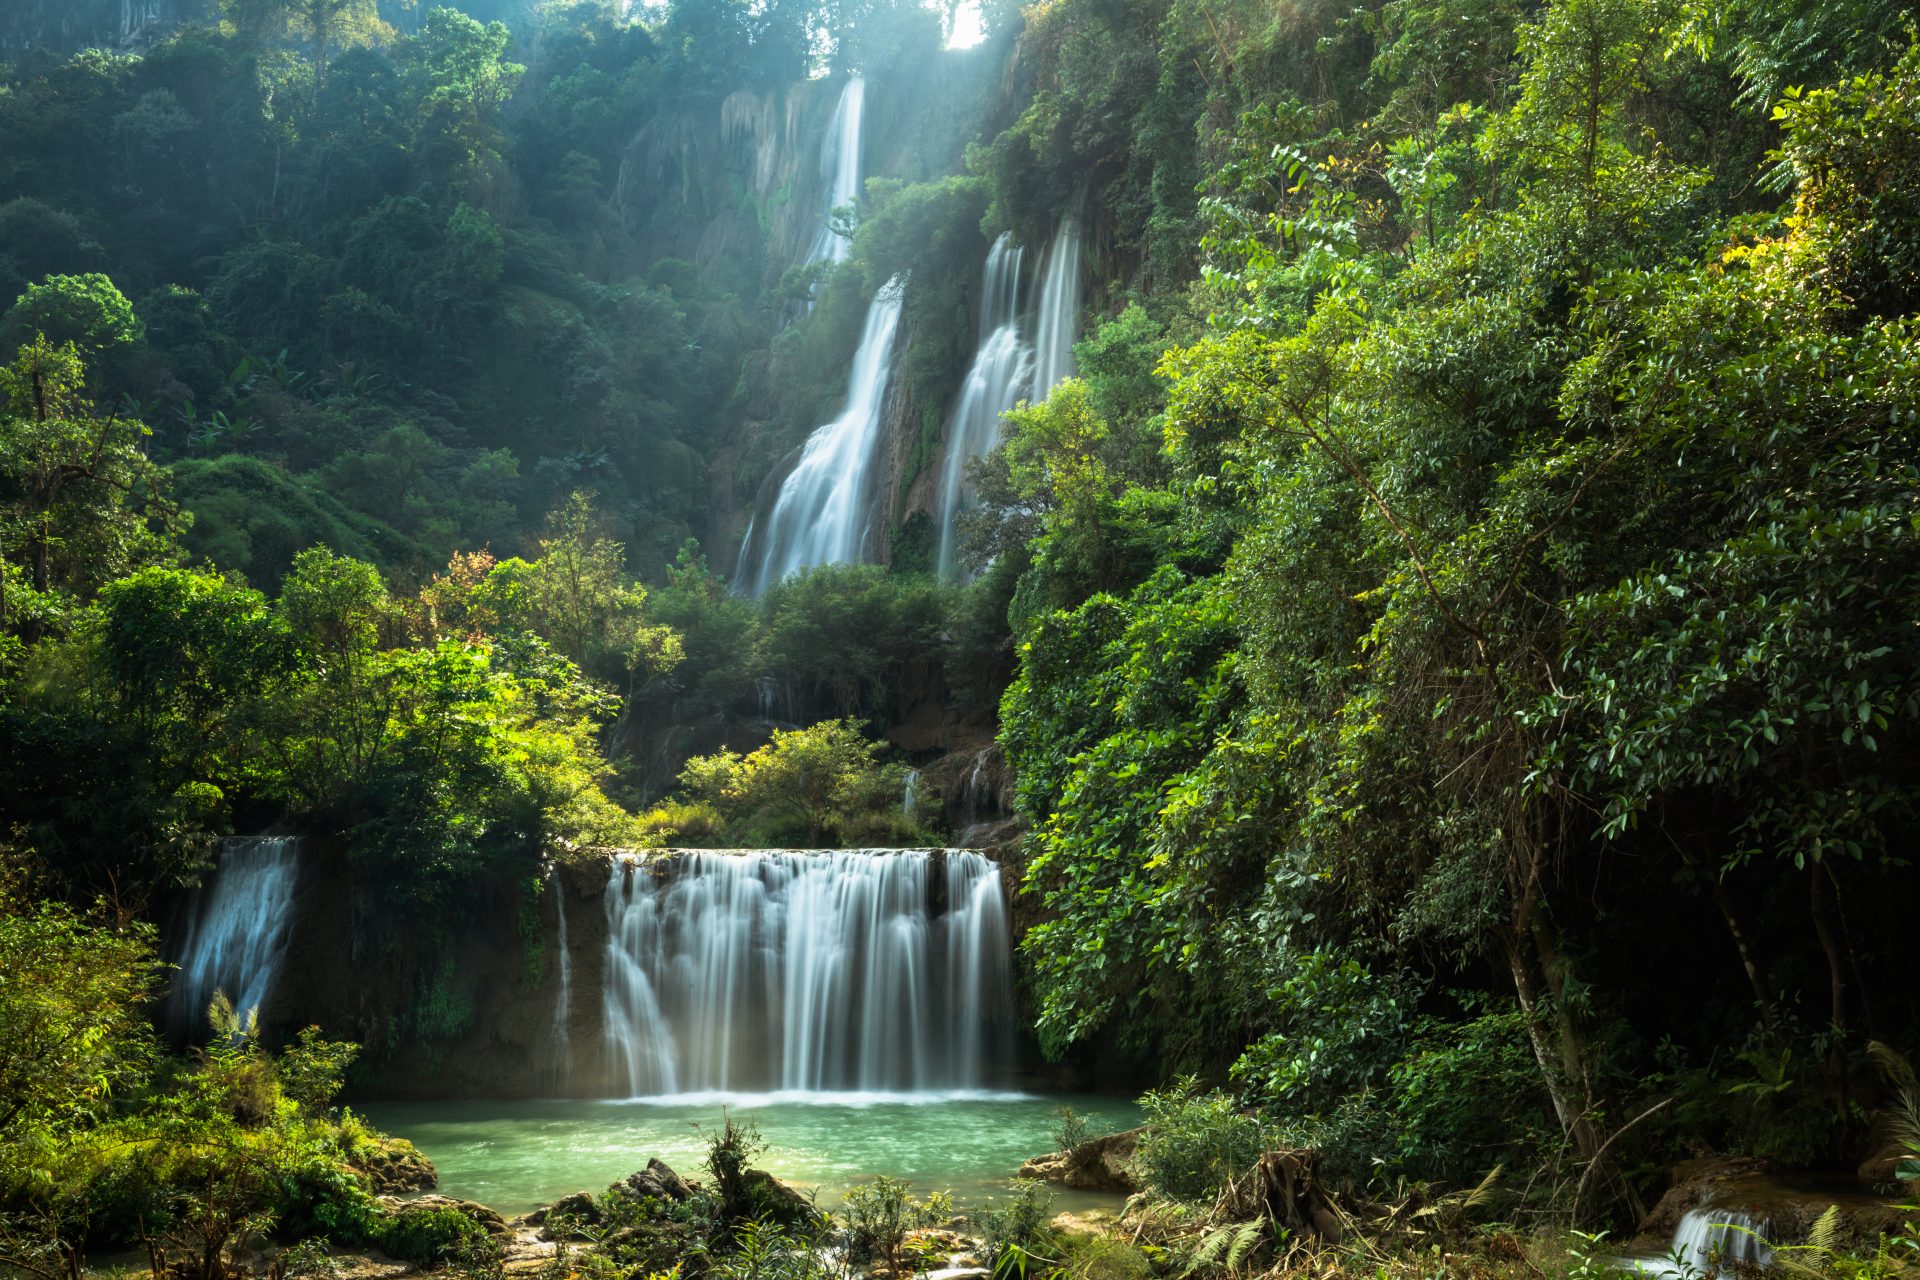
(1059, 319)
(806, 972)
(820, 516)
(1712, 1240)
(237, 931)
(840, 169)
(563, 999)
(1002, 373)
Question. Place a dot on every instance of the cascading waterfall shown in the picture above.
(237, 933)
(1712, 1238)
(806, 972)
(840, 169)
(1002, 372)
(820, 516)
(1058, 322)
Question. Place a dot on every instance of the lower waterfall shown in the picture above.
(236, 932)
(806, 972)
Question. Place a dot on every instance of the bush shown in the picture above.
(879, 1214)
(1195, 1143)
(1011, 1231)
(433, 1234)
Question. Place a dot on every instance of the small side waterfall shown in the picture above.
(1059, 318)
(820, 515)
(237, 934)
(806, 972)
(840, 169)
(1002, 372)
(1710, 1240)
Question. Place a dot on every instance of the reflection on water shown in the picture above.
(514, 1156)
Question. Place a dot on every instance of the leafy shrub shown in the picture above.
(1195, 1143)
(433, 1235)
(1069, 1129)
(1011, 1231)
(879, 1214)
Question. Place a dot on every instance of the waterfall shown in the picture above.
(820, 515)
(563, 999)
(840, 169)
(237, 934)
(1709, 1240)
(909, 794)
(1059, 311)
(806, 972)
(1001, 373)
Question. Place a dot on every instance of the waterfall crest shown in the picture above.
(820, 516)
(237, 934)
(840, 169)
(806, 972)
(1002, 373)
(1059, 318)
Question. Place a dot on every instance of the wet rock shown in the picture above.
(1882, 1169)
(960, 1273)
(1098, 1164)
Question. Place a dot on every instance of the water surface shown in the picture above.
(515, 1156)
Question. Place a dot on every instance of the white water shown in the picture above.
(796, 974)
(238, 931)
(840, 170)
(563, 999)
(1059, 318)
(1709, 1240)
(1001, 374)
(820, 516)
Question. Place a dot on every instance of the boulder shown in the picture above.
(1098, 1164)
(1883, 1168)
(393, 1166)
(495, 1225)
(655, 1182)
(566, 1214)
(772, 1198)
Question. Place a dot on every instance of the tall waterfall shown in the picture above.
(237, 934)
(806, 972)
(840, 169)
(1002, 372)
(820, 516)
(1059, 318)
(563, 999)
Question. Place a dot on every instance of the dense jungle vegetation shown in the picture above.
(1455, 645)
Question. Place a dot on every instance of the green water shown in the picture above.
(515, 1156)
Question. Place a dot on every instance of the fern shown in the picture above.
(1226, 1245)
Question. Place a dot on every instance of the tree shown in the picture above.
(86, 312)
(80, 502)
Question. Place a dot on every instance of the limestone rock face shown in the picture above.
(1098, 1164)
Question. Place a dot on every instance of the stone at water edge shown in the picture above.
(492, 1222)
(1098, 1164)
(393, 1166)
(657, 1181)
(1086, 1222)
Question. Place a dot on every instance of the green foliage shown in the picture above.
(1195, 1143)
(880, 1213)
(433, 1235)
(86, 311)
(818, 785)
(1013, 1229)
